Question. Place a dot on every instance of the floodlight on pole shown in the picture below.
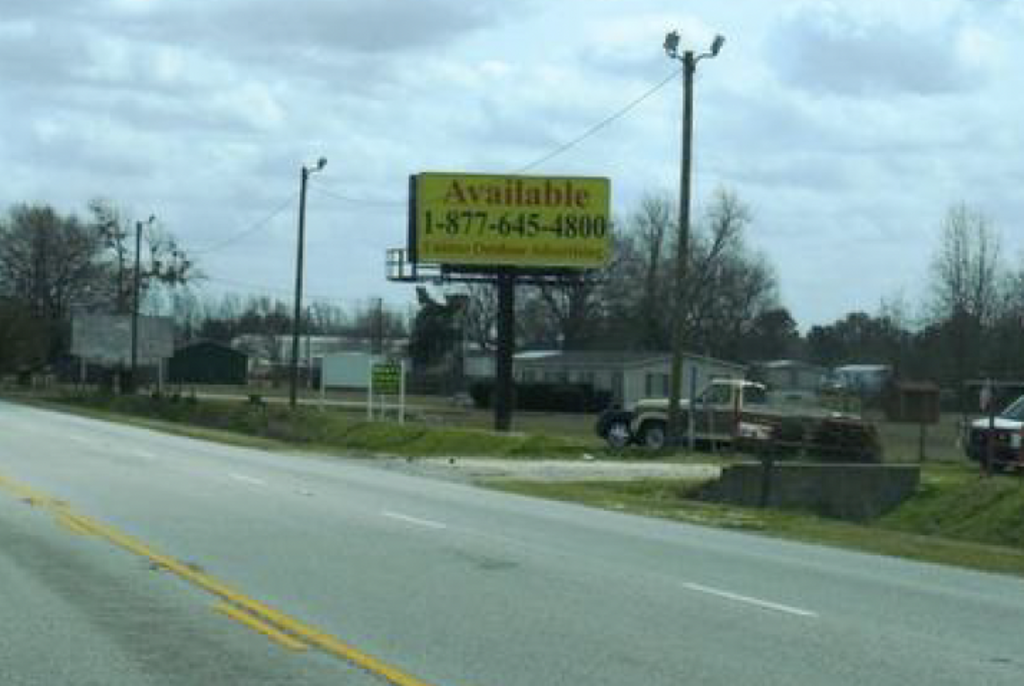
(678, 319)
(672, 44)
(716, 45)
(297, 312)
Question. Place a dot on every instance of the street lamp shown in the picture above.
(689, 60)
(297, 313)
(135, 303)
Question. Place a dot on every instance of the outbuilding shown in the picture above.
(793, 379)
(629, 375)
(208, 362)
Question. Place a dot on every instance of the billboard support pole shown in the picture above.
(504, 230)
(506, 347)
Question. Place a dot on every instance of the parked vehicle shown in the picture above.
(1004, 431)
(718, 410)
(736, 410)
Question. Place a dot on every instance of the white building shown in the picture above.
(628, 375)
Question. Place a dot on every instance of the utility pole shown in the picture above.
(682, 258)
(675, 433)
(132, 382)
(293, 384)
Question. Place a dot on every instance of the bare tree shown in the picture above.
(325, 318)
(47, 261)
(624, 305)
(744, 292)
(713, 253)
(481, 315)
(24, 338)
(965, 285)
(729, 287)
(164, 264)
(966, 268)
(650, 226)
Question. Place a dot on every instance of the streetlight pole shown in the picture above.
(297, 312)
(689, 60)
(135, 304)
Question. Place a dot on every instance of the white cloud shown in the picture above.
(833, 48)
(848, 127)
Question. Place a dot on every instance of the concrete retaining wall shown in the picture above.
(848, 491)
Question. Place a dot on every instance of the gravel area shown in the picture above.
(471, 469)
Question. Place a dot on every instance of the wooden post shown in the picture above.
(920, 442)
(990, 439)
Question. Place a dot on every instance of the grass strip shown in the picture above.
(276, 426)
(898, 534)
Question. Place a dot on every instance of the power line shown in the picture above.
(590, 131)
(354, 200)
(251, 230)
(285, 292)
(618, 114)
(601, 124)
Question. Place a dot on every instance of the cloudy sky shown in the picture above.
(848, 127)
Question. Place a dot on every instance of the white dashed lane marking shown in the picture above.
(247, 479)
(766, 604)
(414, 520)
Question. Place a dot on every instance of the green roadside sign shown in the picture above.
(386, 378)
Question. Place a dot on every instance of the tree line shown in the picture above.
(52, 264)
(968, 325)
(731, 303)
(970, 322)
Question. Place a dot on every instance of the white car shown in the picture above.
(1005, 431)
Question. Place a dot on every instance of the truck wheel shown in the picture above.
(653, 435)
(619, 435)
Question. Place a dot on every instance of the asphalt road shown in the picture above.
(116, 544)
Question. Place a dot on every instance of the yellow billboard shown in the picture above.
(510, 220)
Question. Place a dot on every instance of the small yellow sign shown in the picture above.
(527, 221)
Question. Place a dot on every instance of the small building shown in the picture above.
(272, 351)
(207, 362)
(862, 379)
(478, 364)
(348, 370)
(790, 376)
(629, 375)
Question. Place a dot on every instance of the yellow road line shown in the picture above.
(24, 492)
(254, 623)
(71, 524)
(300, 630)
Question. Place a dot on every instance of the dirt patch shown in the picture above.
(479, 469)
